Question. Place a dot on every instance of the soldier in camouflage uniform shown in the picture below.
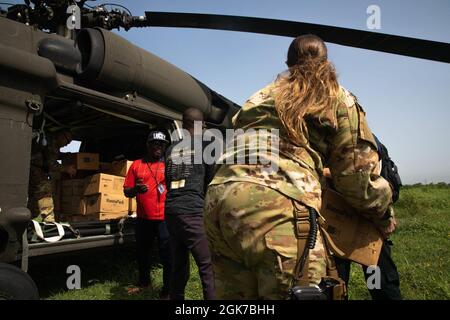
(249, 209)
(44, 172)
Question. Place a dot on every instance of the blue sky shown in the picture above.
(407, 100)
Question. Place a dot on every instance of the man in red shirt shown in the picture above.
(145, 181)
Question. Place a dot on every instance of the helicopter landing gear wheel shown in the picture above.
(16, 284)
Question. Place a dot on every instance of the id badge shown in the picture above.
(161, 188)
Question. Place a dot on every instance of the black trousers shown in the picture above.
(145, 233)
(187, 234)
(389, 282)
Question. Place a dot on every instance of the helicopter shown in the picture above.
(62, 67)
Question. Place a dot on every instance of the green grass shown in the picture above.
(421, 252)
(105, 275)
(421, 245)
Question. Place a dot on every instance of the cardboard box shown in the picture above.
(120, 168)
(82, 160)
(104, 183)
(132, 205)
(110, 215)
(357, 237)
(73, 187)
(106, 203)
(73, 205)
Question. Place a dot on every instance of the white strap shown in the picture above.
(40, 234)
(108, 229)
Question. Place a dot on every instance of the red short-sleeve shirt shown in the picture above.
(150, 205)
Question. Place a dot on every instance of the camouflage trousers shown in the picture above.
(40, 195)
(250, 229)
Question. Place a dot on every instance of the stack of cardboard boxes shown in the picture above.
(120, 168)
(98, 196)
(82, 161)
(72, 201)
(104, 198)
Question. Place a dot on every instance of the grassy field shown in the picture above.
(421, 252)
(421, 248)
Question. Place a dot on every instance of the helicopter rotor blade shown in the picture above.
(412, 47)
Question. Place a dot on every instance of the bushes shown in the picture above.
(423, 198)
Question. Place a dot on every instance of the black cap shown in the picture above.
(157, 136)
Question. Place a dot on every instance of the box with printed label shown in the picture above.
(120, 168)
(104, 183)
(105, 203)
(82, 160)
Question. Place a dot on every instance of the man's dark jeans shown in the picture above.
(145, 233)
(187, 234)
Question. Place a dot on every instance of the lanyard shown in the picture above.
(155, 176)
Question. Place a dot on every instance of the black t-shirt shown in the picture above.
(186, 179)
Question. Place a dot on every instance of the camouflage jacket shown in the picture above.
(348, 149)
(46, 157)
